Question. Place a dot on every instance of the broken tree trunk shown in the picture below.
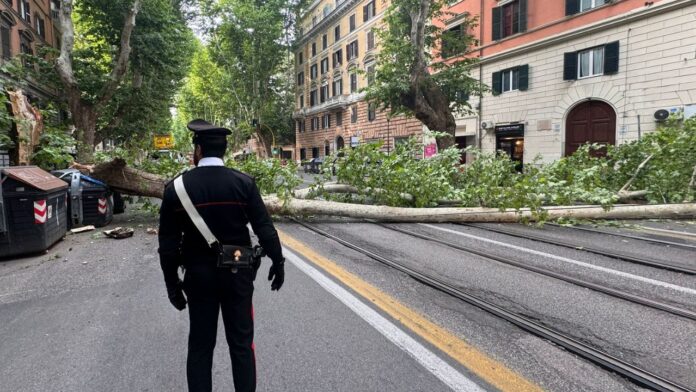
(137, 182)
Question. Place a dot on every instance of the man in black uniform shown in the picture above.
(226, 200)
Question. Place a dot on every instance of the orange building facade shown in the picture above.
(564, 73)
(334, 60)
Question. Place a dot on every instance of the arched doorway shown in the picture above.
(590, 122)
(339, 143)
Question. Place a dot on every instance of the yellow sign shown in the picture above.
(163, 142)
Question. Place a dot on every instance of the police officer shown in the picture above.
(226, 200)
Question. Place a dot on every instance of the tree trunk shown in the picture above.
(137, 182)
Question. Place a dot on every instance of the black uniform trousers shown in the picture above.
(208, 290)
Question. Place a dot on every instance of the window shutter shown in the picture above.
(497, 83)
(348, 56)
(611, 58)
(524, 78)
(497, 22)
(42, 26)
(572, 7)
(570, 66)
(365, 13)
(523, 16)
(5, 37)
(374, 8)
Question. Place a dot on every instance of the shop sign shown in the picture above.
(429, 146)
(354, 141)
(510, 128)
(164, 142)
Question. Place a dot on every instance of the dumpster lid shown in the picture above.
(34, 176)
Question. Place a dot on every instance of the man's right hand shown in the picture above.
(176, 295)
(277, 274)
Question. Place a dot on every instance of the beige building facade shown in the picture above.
(608, 74)
(334, 60)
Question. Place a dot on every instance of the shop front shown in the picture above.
(509, 139)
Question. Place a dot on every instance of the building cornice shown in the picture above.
(332, 17)
(333, 103)
(648, 11)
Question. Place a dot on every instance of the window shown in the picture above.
(314, 21)
(315, 152)
(25, 46)
(313, 97)
(327, 10)
(300, 78)
(353, 82)
(24, 10)
(300, 126)
(591, 62)
(324, 93)
(299, 58)
(327, 149)
(339, 118)
(602, 60)
(337, 87)
(337, 33)
(509, 19)
(314, 49)
(352, 50)
(576, 6)
(370, 40)
(337, 58)
(510, 79)
(324, 42)
(301, 101)
(313, 72)
(369, 11)
(324, 65)
(303, 154)
(5, 41)
(326, 121)
(370, 71)
(453, 42)
(371, 112)
(40, 27)
(315, 124)
(352, 23)
(353, 114)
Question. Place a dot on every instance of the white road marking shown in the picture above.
(439, 368)
(571, 261)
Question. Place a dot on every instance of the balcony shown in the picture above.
(333, 103)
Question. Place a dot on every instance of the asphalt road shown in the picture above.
(92, 315)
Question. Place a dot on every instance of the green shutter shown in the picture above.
(524, 78)
(570, 66)
(523, 16)
(497, 83)
(572, 7)
(611, 58)
(497, 23)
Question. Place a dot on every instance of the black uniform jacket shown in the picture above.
(227, 200)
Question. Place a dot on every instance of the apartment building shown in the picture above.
(334, 59)
(25, 26)
(564, 73)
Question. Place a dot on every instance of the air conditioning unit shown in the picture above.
(663, 114)
(487, 125)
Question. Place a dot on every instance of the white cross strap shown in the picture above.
(192, 212)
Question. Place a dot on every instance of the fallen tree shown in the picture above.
(129, 180)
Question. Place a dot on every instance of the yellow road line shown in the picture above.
(485, 367)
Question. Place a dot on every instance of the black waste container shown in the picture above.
(33, 209)
(91, 201)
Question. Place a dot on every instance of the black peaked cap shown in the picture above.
(204, 131)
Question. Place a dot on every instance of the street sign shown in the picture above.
(164, 142)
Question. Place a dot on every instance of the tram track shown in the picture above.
(598, 251)
(632, 372)
(631, 236)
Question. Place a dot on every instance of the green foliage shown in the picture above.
(271, 176)
(54, 150)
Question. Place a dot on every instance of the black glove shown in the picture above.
(176, 295)
(277, 274)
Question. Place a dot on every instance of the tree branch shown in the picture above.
(64, 65)
(121, 65)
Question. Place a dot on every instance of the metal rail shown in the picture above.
(637, 260)
(541, 271)
(634, 237)
(632, 372)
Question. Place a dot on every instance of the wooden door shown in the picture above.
(590, 122)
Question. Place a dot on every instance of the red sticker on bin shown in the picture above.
(102, 206)
(40, 212)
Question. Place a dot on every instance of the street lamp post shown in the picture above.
(388, 138)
